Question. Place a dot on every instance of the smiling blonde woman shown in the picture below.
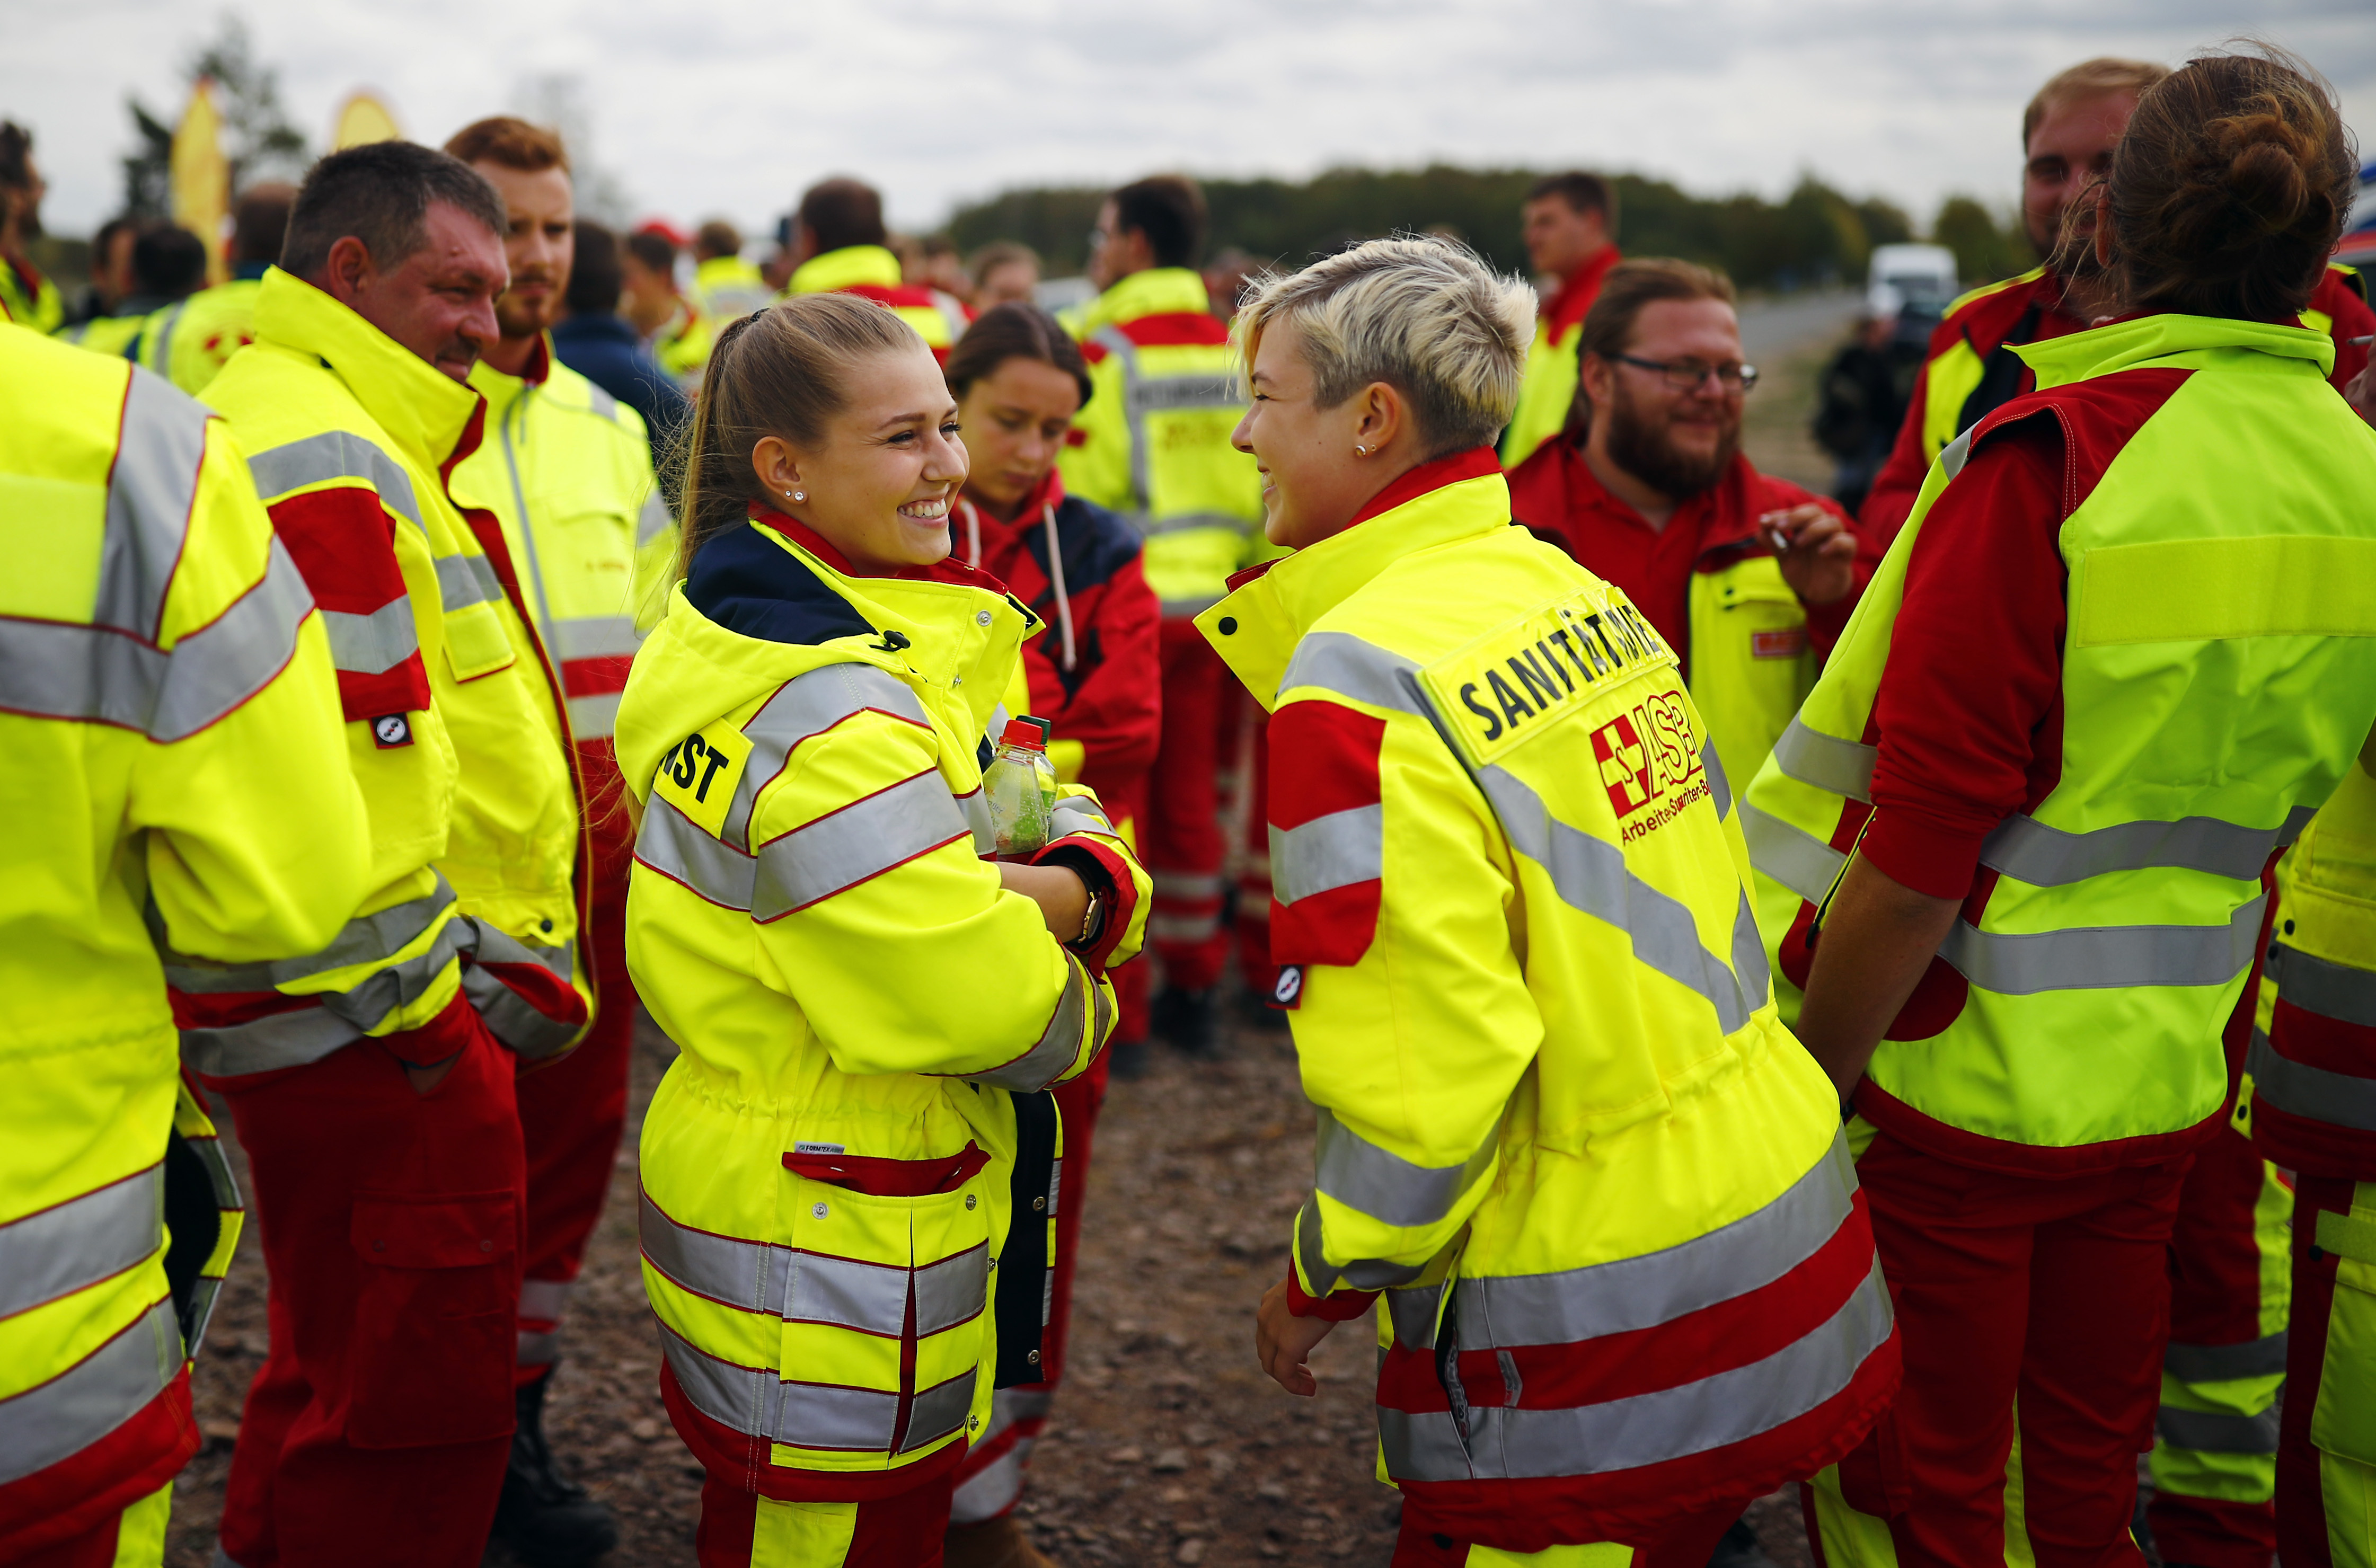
(1628, 1282)
(848, 1173)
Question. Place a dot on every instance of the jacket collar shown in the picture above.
(1158, 291)
(501, 388)
(2131, 340)
(435, 419)
(1574, 296)
(1269, 609)
(841, 269)
(725, 270)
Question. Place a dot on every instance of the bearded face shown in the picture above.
(1679, 445)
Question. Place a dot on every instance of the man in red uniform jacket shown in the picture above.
(2068, 134)
(1647, 488)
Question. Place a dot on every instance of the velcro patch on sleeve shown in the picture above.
(698, 775)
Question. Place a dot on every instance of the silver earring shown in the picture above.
(797, 494)
(1361, 451)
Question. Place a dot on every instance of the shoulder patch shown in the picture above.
(1562, 658)
(698, 776)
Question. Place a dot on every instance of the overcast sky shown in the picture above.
(705, 107)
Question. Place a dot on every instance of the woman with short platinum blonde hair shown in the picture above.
(1561, 1128)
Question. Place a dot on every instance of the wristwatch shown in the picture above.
(1093, 918)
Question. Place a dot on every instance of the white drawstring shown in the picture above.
(1056, 577)
(973, 534)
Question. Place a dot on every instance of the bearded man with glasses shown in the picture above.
(1749, 576)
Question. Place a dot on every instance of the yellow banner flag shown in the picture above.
(363, 119)
(202, 176)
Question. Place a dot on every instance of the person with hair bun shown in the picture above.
(847, 1173)
(2013, 848)
(1095, 670)
(1629, 1284)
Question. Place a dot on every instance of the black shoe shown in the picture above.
(1740, 1548)
(1126, 1060)
(1186, 1019)
(546, 1519)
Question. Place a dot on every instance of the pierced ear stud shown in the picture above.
(1361, 451)
(797, 494)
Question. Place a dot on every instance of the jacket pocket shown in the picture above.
(2343, 1422)
(436, 1323)
(886, 1315)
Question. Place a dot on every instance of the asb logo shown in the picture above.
(1646, 753)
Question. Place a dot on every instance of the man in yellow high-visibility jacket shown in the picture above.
(372, 1081)
(27, 297)
(1571, 234)
(193, 338)
(168, 742)
(566, 470)
(840, 245)
(724, 284)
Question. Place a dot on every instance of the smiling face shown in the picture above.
(879, 485)
(538, 248)
(1014, 422)
(439, 302)
(2072, 146)
(1313, 480)
(1676, 442)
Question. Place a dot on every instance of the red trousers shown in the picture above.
(1689, 1545)
(741, 1529)
(377, 1430)
(1181, 843)
(989, 1481)
(2309, 1522)
(2051, 1291)
(572, 1111)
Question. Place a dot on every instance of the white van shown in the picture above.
(1920, 278)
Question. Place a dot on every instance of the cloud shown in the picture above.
(733, 106)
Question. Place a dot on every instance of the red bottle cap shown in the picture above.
(1025, 733)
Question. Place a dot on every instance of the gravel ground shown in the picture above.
(1167, 1446)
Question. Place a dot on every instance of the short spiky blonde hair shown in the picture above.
(1420, 313)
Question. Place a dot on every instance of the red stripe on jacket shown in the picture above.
(1324, 758)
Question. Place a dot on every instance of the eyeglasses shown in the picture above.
(1689, 376)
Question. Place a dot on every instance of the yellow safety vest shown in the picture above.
(569, 472)
(728, 286)
(169, 743)
(873, 272)
(109, 335)
(40, 307)
(453, 730)
(1548, 1067)
(190, 340)
(1752, 662)
(1153, 441)
(811, 921)
(2218, 577)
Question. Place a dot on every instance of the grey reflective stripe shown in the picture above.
(1185, 885)
(670, 843)
(2203, 1432)
(2023, 847)
(856, 844)
(1143, 394)
(651, 519)
(752, 1400)
(1590, 874)
(1842, 767)
(2315, 1093)
(1345, 665)
(278, 1039)
(1789, 854)
(974, 806)
(1721, 786)
(150, 488)
(1360, 1274)
(52, 1420)
(537, 1349)
(1336, 850)
(374, 938)
(1500, 1311)
(373, 644)
(95, 675)
(1414, 1313)
(1073, 813)
(1181, 928)
(602, 402)
(465, 580)
(509, 1015)
(1155, 527)
(2340, 992)
(1952, 455)
(77, 1243)
(595, 636)
(1646, 1429)
(2223, 1363)
(954, 1290)
(1383, 1185)
(809, 704)
(544, 1298)
(591, 719)
(806, 1287)
(334, 455)
(2104, 957)
(1059, 1044)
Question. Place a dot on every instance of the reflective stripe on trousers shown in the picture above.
(755, 1401)
(2339, 992)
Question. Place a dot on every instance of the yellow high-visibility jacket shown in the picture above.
(870, 272)
(1560, 1123)
(168, 742)
(192, 340)
(1153, 441)
(727, 286)
(454, 728)
(827, 1167)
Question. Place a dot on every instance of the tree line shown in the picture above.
(1816, 235)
